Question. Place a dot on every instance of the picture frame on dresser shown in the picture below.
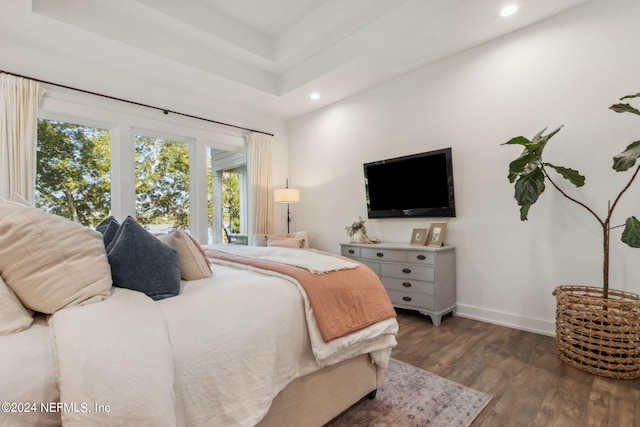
(435, 237)
(419, 236)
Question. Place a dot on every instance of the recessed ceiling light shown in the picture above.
(508, 10)
(314, 95)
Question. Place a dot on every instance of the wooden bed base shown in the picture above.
(317, 398)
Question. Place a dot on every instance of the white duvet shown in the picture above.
(217, 354)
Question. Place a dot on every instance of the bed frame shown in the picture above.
(317, 398)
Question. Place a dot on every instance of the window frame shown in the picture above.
(243, 183)
(123, 121)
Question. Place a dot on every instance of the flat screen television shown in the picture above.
(418, 185)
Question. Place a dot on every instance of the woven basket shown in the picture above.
(598, 335)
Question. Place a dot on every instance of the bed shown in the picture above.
(240, 347)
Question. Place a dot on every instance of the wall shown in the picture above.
(566, 70)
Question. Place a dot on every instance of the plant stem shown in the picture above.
(606, 234)
(615, 202)
(600, 221)
(606, 229)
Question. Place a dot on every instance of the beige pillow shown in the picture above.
(191, 257)
(262, 239)
(49, 261)
(13, 316)
(302, 235)
(285, 242)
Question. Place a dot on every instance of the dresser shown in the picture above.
(417, 278)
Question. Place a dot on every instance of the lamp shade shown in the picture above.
(287, 195)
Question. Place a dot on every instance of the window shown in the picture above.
(73, 171)
(227, 196)
(162, 183)
(98, 158)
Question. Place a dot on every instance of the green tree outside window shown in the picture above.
(72, 178)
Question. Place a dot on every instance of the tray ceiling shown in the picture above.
(264, 55)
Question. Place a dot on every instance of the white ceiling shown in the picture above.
(265, 56)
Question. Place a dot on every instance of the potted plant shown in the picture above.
(597, 329)
(358, 232)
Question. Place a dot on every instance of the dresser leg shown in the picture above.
(436, 319)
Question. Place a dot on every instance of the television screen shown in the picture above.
(419, 185)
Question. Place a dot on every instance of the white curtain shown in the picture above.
(260, 187)
(19, 99)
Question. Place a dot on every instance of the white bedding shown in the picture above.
(378, 339)
(309, 259)
(216, 354)
(27, 376)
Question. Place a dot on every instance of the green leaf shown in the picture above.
(631, 233)
(524, 164)
(624, 108)
(520, 140)
(541, 140)
(524, 211)
(539, 137)
(527, 190)
(570, 174)
(626, 159)
(536, 143)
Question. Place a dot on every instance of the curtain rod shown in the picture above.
(164, 110)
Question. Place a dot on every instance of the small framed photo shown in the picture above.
(436, 234)
(419, 236)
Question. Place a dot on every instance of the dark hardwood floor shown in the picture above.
(529, 384)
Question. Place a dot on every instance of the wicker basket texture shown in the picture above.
(598, 335)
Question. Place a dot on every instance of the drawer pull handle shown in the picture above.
(406, 284)
(380, 254)
(406, 270)
(351, 251)
(421, 257)
(406, 298)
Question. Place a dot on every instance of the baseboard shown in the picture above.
(543, 327)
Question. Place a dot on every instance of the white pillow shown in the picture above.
(13, 316)
(49, 261)
(285, 242)
(302, 235)
(191, 257)
(262, 239)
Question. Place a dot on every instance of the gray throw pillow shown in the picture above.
(110, 232)
(141, 262)
(105, 223)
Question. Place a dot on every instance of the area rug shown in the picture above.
(414, 397)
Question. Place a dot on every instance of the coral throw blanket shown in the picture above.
(342, 301)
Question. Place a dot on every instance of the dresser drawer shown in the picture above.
(384, 254)
(372, 265)
(422, 257)
(420, 301)
(408, 271)
(350, 251)
(409, 285)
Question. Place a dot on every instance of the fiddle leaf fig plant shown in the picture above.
(529, 173)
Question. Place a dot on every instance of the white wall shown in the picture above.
(566, 70)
